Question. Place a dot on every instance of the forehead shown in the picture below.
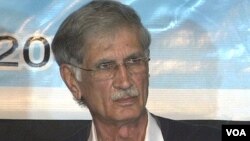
(118, 45)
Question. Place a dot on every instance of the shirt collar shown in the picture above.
(92, 136)
(153, 131)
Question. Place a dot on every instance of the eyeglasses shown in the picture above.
(107, 70)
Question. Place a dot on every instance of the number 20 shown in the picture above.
(26, 50)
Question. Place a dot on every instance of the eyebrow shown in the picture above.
(105, 60)
(134, 55)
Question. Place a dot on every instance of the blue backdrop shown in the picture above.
(196, 44)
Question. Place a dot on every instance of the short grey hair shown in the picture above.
(95, 19)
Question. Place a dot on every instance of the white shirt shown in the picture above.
(153, 131)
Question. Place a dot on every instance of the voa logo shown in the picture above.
(236, 132)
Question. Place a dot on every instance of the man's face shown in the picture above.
(99, 93)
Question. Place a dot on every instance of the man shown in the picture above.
(103, 52)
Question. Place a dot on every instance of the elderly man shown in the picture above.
(103, 52)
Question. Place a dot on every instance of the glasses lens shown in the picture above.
(133, 66)
(137, 66)
(103, 74)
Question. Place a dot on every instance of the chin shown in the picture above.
(129, 114)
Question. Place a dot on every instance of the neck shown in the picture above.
(129, 130)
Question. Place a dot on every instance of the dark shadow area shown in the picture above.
(39, 130)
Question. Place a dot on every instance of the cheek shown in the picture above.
(97, 94)
(141, 82)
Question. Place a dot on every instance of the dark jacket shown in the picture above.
(172, 130)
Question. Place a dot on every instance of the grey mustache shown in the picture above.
(131, 92)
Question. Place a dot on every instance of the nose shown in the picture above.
(122, 78)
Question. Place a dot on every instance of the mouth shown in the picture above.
(126, 101)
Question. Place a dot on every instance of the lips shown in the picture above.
(126, 101)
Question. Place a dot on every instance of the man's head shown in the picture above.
(103, 51)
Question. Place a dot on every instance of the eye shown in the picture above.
(106, 66)
(133, 61)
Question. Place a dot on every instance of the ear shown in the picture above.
(70, 80)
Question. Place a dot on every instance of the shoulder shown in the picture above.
(173, 130)
(81, 134)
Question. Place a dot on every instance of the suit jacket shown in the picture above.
(172, 130)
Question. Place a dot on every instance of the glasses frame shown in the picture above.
(144, 58)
